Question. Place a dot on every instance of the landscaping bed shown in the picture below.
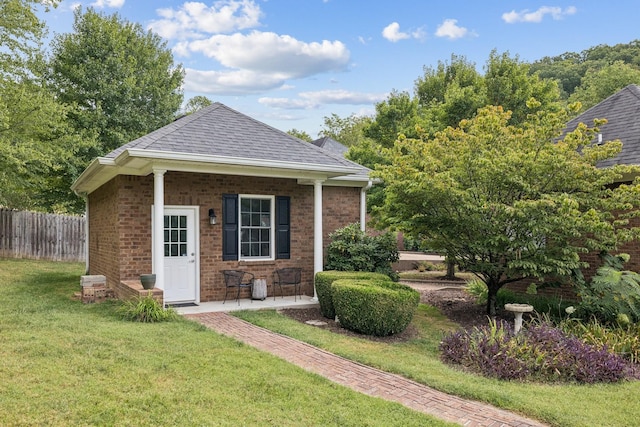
(455, 303)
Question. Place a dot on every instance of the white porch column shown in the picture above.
(86, 234)
(158, 226)
(318, 254)
(363, 206)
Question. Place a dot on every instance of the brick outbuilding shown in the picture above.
(229, 192)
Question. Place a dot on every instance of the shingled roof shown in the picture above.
(622, 111)
(218, 139)
(221, 131)
(331, 144)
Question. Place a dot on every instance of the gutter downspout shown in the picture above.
(363, 205)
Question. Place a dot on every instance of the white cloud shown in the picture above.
(249, 62)
(311, 100)
(450, 29)
(343, 97)
(288, 103)
(537, 16)
(237, 82)
(271, 53)
(196, 19)
(419, 34)
(392, 33)
(116, 4)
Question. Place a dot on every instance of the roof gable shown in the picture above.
(218, 139)
(220, 131)
(622, 111)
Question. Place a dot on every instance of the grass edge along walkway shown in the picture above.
(362, 378)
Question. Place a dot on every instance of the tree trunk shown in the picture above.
(451, 269)
(491, 299)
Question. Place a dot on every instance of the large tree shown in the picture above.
(348, 131)
(510, 202)
(121, 78)
(570, 67)
(36, 144)
(598, 84)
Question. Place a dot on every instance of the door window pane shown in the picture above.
(175, 235)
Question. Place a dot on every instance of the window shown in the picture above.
(256, 227)
(277, 236)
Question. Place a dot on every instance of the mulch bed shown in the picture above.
(454, 303)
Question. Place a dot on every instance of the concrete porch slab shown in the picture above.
(247, 304)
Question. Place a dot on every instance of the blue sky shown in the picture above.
(290, 63)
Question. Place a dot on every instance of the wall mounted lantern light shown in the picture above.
(212, 217)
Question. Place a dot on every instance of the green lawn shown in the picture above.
(561, 405)
(65, 363)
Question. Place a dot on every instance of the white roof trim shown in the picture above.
(235, 161)
(141, 162)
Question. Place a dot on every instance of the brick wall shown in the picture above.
(566, 291)
(103, 241)
(124, 215)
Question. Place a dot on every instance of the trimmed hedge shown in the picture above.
(374, 307)
(323, 282)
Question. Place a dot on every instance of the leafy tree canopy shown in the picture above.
(599, 84)
(347, 131)
(37, 147)
(121, 78)
(300, 134)
(509, 202)
(196, 103)
(570, 67)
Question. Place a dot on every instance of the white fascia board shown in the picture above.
(142, 162)
(235, 161)
(92, 172)
(345, 181)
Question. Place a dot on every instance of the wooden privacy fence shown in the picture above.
(41, 236)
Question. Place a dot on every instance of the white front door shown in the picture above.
(181, 255)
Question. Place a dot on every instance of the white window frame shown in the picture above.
(272, 227)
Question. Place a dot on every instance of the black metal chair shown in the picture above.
(237, 279)
(290, 276)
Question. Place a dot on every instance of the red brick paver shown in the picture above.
(364, 379)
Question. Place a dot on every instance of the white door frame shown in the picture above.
(196, 243)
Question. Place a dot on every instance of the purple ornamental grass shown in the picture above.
(540, 352)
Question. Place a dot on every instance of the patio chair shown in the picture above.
(287, 277)
(237, 279)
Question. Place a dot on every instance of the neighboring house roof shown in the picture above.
(218, 139)
(332, 145)
(622, 111)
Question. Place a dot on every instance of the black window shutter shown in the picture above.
(283, 227)
(229, 227)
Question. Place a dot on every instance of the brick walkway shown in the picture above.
(364, 379)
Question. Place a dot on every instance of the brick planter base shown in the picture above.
(128, 289)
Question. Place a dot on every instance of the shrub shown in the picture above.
(372, 307)
(352, 249)
(621, 339)
(611, 292)
(552, 305)
(540, 352)
(146, 309)
(423, 266)
(323, 282)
